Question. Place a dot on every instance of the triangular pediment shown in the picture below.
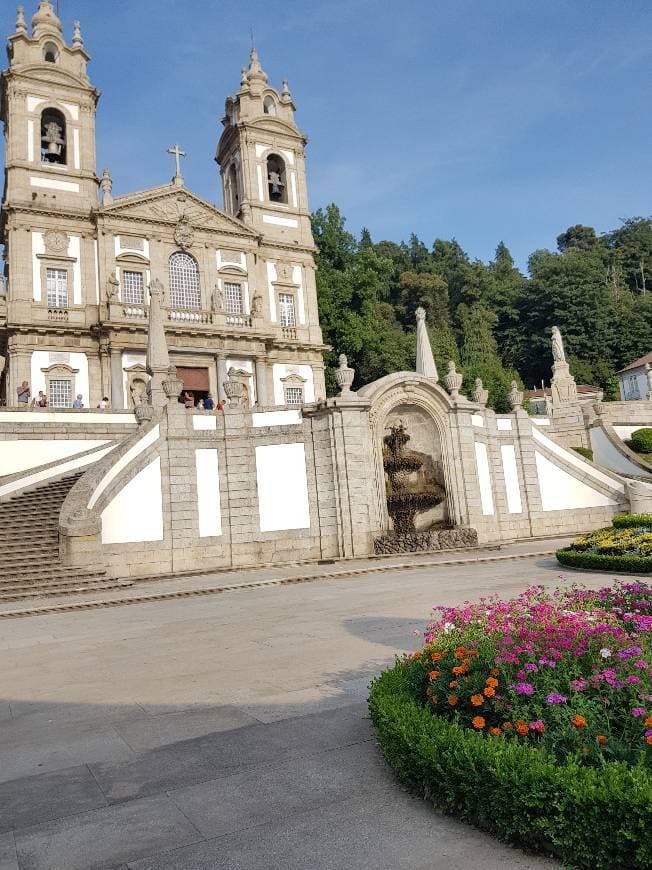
(170, 205)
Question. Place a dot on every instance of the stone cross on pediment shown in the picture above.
(177, 153)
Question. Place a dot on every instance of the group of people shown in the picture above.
(207, 404)
(24, 395)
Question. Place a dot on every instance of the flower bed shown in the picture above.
(626, 546)
(532, 718)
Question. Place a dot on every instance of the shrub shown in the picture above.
(588, 817)
(599, 562)
(532, 718)
(624, 521)
(586, 452)
(641, 440)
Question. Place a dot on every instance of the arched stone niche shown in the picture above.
(425, 409)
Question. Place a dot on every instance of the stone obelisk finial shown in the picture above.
(425, 360)
(158, 358)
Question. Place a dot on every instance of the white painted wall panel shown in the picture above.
(503, 424)
(38, 247)
(512, 487)
(484, 478)
(282, 487)
(74, 250)
(609, 456)
(575, 459)
(136, 512)
(207, 423)
(276, 418)
(280, 370)
(271, 276)
(477, 420)
(561, 491)
(148, 439)
(20, 455)
(53, 184)
(208, 493)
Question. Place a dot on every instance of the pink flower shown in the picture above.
(638, 711)
(538, 726)
(556, 698)
(640, 664)
(632, 678)
(579, 685)
(523, 688)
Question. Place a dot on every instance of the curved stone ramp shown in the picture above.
(610, 451)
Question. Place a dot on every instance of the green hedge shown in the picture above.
(600, 562)
(642, 440)
(628, 521)
(586, 817)
(586, 452)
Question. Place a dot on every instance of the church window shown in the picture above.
(269, 106)
(57, 288)
(293, 395)
(53, 137)
(233, 298)
(277, 187)
(50, 52)
(133, 288)
(184, 281)
(60, 390)
(234, 193)
(286, 309)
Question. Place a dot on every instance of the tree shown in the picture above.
(579, 237)
(479, 353)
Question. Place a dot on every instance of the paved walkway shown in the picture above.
(227, 731)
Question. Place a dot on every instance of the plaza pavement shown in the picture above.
(228, 731)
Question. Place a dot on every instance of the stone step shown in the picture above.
(46, 557)
(71, 575)
(74, 587)
(23, 575)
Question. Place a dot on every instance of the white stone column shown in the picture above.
(117, 389)
(221, 376)
(261, 382)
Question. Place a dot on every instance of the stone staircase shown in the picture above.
(29, 547)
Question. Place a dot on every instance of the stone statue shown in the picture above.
(156, 288)
(648, 375)
(275, 181)
(558, 353)
(113, 288)
(217, 299)
(257, 305)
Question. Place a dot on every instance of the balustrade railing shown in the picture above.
(59, 315)
(289, 332)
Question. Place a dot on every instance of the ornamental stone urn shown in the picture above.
(453, 380)
(234, 389)
(172, 385)
(515, 397)
(480, 395)
(143, 412)
(344, 375)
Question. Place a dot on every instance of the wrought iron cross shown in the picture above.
(178, 153)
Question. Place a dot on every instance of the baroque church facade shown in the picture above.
(238, 284)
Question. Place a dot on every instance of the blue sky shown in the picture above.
(467, 118)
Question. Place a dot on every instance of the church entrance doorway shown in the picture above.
(195, 382)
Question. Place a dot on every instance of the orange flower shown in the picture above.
(453, 700)
(434, 699)
(494, 672)
(477, 700)
(462, 668)
(521, 727)
(648, 722)
(578, 721)
(489, 692)
(472, 653)
(453, 684)
(507, 726)
(434, 674)
(648, 740)
(478, 722)
(460, 652)
(437, 656)
(495, 732)
(491, 681)
(601, 739)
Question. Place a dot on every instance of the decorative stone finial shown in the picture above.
(453, 380)
(45, 20)
(158, 360)
(21, 24)
(515, 397)
(558, 352)
(425, 360)
(480, 394)
(244, 79)
(255, 71)
(286, 96)
(107, 186)
(344, 375)
(233, 388)
(77, 41)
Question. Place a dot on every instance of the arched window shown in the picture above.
(234, 193)
(278, 191)
(50, 52)
(269, 106)
(53, 137)
(184, 281)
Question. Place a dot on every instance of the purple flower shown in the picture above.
(556, 698)
(579, 685)
(523, 688)
(640, 664)
(632, 678)
(638, 711)
(530, 666)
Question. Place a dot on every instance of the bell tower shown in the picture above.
(48, 106)
(262, 162)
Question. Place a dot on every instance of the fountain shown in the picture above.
(406, 499)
